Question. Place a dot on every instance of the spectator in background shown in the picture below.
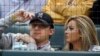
(10, 6)
(61, 9)
(41, 29)
(80, 34)
(95, 12)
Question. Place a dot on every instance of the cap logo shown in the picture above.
(40, 15)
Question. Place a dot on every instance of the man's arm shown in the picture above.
(5, 23)
(7, 40)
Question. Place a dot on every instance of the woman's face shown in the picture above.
(72, 32)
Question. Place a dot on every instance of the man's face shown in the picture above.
(40, 32)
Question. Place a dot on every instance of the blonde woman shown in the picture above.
(59, 9)
(80, 34)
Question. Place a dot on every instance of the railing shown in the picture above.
(48, 53)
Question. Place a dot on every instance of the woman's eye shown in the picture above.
(66, 28)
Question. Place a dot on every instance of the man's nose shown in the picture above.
(36, 28)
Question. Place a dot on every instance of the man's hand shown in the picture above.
(21, 16)
(25, 38)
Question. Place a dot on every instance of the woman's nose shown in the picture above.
(66, 31)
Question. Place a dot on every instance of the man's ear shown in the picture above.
(52, 31)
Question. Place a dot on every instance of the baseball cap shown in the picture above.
(43, 18)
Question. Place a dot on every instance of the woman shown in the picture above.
(59, 9)
(80, 34)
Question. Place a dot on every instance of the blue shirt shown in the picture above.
(9, 6)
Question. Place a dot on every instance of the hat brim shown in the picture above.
(40, 20)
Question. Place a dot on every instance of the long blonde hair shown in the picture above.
(87, 31)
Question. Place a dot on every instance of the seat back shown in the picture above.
(98, 32)
(57, 39)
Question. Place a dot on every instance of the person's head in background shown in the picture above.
(80, 33)
(41, 28)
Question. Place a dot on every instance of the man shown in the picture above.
(10, 6)
(41, 29)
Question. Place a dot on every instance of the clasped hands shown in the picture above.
(21, 16)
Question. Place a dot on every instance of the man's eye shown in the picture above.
(71, 28)
(41, 27)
